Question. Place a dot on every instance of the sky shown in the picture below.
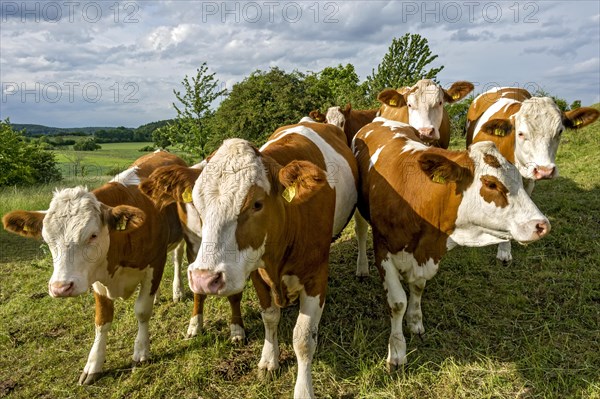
(116, 63)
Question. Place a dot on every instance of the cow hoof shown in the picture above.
(238, 341)
(89, 379)
(266, 375)
(394, 368)
(139, 363)
(504, 262)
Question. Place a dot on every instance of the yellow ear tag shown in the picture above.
(438, 178)
(122, 223)
(187, 195)
(25, 228)
(455, 96)
(289, 193)
(499, 132)
(393, 102)
(578, 122)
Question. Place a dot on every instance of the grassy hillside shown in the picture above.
(531, 330)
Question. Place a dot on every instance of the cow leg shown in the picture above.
(361, 228)
(197, 320)
(414, 316)
(305, 342)
(177, 262)
(271, 313)
(396, 298)
(104, 317)
(504, 253)
(237, 324)
(143, 310)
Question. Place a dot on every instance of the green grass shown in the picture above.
(531, 330)
(98, 163)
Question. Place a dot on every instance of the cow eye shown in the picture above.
(522, 135)
(490, 184)
(92, 237)
(258, 205)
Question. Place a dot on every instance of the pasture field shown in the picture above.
(99, 162)
(530, 330)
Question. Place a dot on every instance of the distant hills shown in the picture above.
(41, 130)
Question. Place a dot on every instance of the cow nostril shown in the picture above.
(542, 229)
(217, 280)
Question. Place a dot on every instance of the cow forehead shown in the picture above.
(425, 92)
(227, 178)
(72, 212)
(335, 116)
(489, 161)
(539, 116)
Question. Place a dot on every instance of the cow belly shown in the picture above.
(123, 283)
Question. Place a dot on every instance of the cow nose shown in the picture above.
(427, 133)
(61, 288)
(542, 172)
(205, 282)
(542, 228)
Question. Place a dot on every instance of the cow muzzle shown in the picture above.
(205, 282)
(61, 289)
(427, 134)
(541, 172)
(535, 230)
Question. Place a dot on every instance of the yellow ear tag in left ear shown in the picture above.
(122, 223)
(578, 122)
(187, 195)
(456, 96)
(393, 102)
(25, 228)
(289, 193)
(438, 178)
(499, 132)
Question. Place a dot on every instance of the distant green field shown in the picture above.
(111, 157)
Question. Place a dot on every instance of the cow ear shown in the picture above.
(580, 117)
(317, 116)
(123, 218)
(168, 184)
(300, 181)
(24, 223)
(442, 170)
(498, 127)
(391, 98)
(458, 91)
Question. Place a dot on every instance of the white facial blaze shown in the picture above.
(425, 106)
(73, 218)
(538, 125)
(482, 223)
(218, 195)
(335, 117)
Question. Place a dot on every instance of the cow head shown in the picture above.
(242, 197)
(317, 116)
(495, 206)
(77, 229)
(421, 105)
(538, 126)
(338, 116)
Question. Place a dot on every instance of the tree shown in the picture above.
(262, 102)
(403, 65)
(22, 162)
(88, 144)
(338, 86)
(457, 113)
(190, 130)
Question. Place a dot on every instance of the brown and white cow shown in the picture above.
(275, 211)
(112, 239)
(422, 201)
(159, 187)
(527, 132)
(422, 107)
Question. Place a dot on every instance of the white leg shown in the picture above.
(269, 359)
(414, 316)
(195, 325)
(177, 261)
(504, 253)
(397, 301)
(143, 311)
(93, 367)
(305, 343)
(361, 227)
(157, 296)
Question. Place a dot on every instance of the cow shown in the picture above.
(351, 120)
(527, 132)
(158, 189)
(422, 106)
(112, 239)
(422, 201)
(270, 214)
